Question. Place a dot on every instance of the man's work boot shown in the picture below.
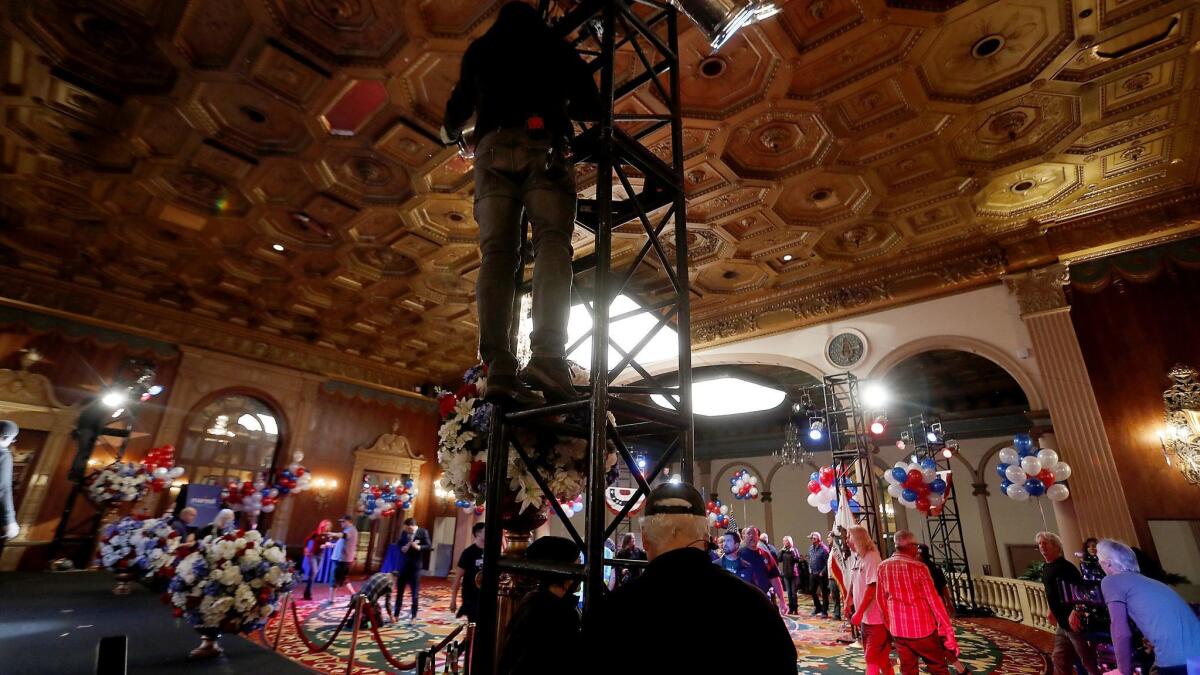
(551, 376)
(509, 389)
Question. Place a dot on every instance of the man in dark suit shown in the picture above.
(413, 542)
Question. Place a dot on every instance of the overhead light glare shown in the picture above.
(114, 398)
(277, 247)
(727, 396)
(875, 396)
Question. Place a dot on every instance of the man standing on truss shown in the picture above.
(524, 86)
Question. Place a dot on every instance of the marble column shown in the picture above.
(1100, 504)
(989, 531)
(1064, 512)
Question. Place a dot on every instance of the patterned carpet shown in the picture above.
(984, 648)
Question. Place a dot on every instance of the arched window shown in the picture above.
(233, 437)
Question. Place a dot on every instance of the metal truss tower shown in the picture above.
(946, 543)
(633, 186)
(851, 447)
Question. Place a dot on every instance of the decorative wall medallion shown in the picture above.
(846, 349)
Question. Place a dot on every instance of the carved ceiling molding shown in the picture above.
(30, 291)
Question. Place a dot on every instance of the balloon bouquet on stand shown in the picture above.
(823, 490)
(917, 485)
(1027, 471)
(160, 462)
(376, 501)
(258, 497)
(718, 514)
(744, 486)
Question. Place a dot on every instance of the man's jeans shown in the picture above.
(1068, 645)
(515, 170)
(820, 593)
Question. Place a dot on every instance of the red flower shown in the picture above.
(446, 404)
(177, 612)
(468, 390)
(478, 473)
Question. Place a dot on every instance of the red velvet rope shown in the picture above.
(374, 613)
(312, 648)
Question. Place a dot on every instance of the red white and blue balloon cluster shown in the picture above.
(822, 493)
(258, 497)
(383, 500)
(572, 506)
(917, 486)
(718, 514)
(1028, 471)
(744, 485)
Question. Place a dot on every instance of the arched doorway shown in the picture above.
(230, 436)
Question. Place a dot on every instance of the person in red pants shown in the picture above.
(912, 610)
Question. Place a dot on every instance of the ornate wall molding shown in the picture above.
(390, 453)
(34, 292)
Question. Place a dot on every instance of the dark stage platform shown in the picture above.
(51, 624)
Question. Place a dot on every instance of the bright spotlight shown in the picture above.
(931, 437)
(875, 396)
(155, 390)
(947, 453)
(815, 427)
(677, 478)
(113, 399)
(879, 425)
(117, 413)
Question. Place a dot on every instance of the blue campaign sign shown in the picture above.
(206, 499)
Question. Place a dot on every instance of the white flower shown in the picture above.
(229, 575)
(273, 576)
(244, 599)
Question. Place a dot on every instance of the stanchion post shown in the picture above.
(468, 646)
(354, 635)
(287, 597)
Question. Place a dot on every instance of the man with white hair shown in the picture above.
(912, 610)
(669, 607)
(1164, 618)
(1069, 642)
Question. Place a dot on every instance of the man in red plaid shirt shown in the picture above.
(913, 611)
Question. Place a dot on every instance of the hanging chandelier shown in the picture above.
(793, 450)
(1180, 439)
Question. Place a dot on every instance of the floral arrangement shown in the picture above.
(230, 583)
(144, 547)
(462, 449)
(118, 482)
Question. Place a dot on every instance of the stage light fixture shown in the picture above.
(879, 425)
(677, 478)
(114, 398)
(155, 390)
(719, 20)
(816, 427)
(947, 453)
(277, 247)
(875, 396)
(934, 434)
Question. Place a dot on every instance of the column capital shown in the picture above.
(1039, 290)
(766, 496)
(980, 489)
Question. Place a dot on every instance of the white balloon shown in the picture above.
(1031, 466)
(160, 472)
(824, 508)
(913, 466)
(753, 492)
(887, 476)
(895, 491)
(298, 456)
(1018, 492)
(754, 480)
(1057, 492)
(1015, 474)
(1009, 456)
(1047, 457)
(900, 465)
(1062, 471)
(260, 484)
(928, 475)
(733, 489)
(724, 509)
(814, 499)
(935, 499)
(268, 508)
(739, 484)
(176, 472)
(912, 504)
(712, 517)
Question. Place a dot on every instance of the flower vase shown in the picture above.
(210, 647)
(123, 579)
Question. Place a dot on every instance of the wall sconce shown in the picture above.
(441, 492)
(322, 489)
(1180, 439)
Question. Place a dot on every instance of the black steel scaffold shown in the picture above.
(633, 186)
(851, 447)
(946, 544)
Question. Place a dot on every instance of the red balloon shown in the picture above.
(922, 504)
(710, 506)
(914, 478)
(247, 488)
(1046, 476)
(374, 491)
(300, 471)
(922, 490)
(935, 510)
(827, 476)
(814, 486)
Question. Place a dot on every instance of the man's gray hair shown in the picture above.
(1118, 556)
(1050, 537)
(903, 536)
(666, 527)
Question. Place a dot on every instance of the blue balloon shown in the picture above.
(900, 474)
(733, 480)
(283, 489)
(814, 476)
(577, 507)
(1022, 442)
(1004, 485)
(938, 485)
(408, 483)
(1000, 469)
(928, 463)
(1035, 487)
(909, 495)
(834, 505)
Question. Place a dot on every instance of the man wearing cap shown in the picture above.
(669, 607)
(543, 636)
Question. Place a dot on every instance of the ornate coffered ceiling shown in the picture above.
(155, 157)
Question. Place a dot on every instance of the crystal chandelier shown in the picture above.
(1180, 439)
(793, 450)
